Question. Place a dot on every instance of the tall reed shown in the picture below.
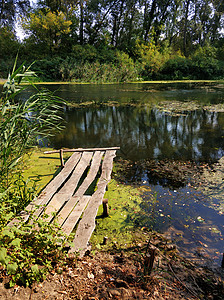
(23, 119)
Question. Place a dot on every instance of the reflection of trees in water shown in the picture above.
(145, 132)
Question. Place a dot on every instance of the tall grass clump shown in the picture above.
(23, 120)
(121, 69)
(27, 251)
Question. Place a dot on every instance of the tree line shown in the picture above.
(143, 39)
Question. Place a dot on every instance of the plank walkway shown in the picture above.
(65, 198)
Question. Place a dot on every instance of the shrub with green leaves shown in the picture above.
(29, 252)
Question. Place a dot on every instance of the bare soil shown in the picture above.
(126, 274)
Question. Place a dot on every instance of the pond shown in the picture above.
(160, 122)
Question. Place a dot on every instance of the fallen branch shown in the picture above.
(178, 279)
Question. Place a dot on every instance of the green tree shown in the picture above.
(48, 27)
(8, 43)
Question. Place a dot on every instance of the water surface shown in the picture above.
(135, 121)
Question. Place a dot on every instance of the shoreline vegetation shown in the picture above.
(96, 42)
(2, 80)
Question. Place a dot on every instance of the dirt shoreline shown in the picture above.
(125, 274)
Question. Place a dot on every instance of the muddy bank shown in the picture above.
(125, 273)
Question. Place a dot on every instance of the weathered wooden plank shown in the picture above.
(74, 216)
(69, 187)
(87, 223)
(94, 168)
(82, 149)
(57, 182)
(71, 184)
(66, 210)
(55, 205)
(50, 189)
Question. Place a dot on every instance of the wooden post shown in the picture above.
(61, 158)
(105, 208)
(105, 240)
(149, 261)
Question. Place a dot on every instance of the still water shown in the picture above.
(144, 131)
(139, 120)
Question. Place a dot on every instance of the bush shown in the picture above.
(205, 65)
(198, 67)
(151, 59)
(176, 68)
(29, 252)
(48, 69)
(123, 69)
(85, 53)
(206, 68)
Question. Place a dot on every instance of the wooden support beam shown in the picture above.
(105, 208)
(61, 158)
(82, 149)
(149, 261)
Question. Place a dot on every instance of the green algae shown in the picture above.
(121, 228)
(39, 167)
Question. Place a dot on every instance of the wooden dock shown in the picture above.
(65, 196)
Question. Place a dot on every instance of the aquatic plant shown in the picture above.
(24, 120)
(27, 251)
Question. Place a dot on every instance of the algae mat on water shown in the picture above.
(39, 167)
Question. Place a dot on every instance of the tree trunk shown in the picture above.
(81, 23)
(185, 27)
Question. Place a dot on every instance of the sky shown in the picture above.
(19, 31)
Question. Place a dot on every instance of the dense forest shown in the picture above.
(114, 40)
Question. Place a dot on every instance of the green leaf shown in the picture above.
(3, 256)
(16, 242)
(34, 268)
(12, 268)
(8, 233)
(98, 246)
